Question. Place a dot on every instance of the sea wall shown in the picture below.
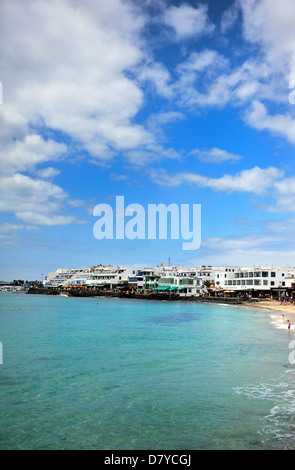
(82, 292)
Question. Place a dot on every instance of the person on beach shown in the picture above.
(283, 317)
(289, 325)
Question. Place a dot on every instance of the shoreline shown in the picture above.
(269, 306)
(123, 295)
(278, 312)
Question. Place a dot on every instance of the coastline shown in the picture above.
(80, 292)
(267, 305)
(277, 310)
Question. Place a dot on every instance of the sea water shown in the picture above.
(110, 374)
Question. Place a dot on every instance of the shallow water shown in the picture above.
(129, 374)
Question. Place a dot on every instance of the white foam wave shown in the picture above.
(277, 427)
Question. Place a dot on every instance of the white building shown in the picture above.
(95, 276)
(256, 278)
(183, 285)
(184, 281)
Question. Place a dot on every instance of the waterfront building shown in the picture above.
(184, 286)
(224, 280)
(258, 279)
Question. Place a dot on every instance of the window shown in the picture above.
(283, 283)
(265, 283)
(272, 283)
(273, 274)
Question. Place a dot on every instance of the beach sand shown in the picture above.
(278, 311)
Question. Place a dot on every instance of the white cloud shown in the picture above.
(263, 254)
(223, 85)
(200, 61)
(256, 180)
(71, 77)
(150, 154)
(216, 155)
(188, 21)
(277, 192)
(25, 154)
(48, 173)
(271, 245)
(229, 17)
(45, 219)
(270, 24)
(157, 74)
(280, 124)
(244, 242)
(6, 228)
(33, 200)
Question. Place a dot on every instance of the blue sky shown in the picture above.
(159, 102)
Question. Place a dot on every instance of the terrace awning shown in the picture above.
(162, 288)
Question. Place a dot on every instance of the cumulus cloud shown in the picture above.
(270, 185)
(25, 154)
(270, 24)
(206, 80)
(69, 78)
(33, 200)
(279, 124)
(72, 76)
(187, 21)
(256, 180)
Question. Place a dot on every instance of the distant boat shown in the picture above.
(63, 295)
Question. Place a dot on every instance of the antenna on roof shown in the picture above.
(169, 260)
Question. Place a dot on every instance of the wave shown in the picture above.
(277, 428)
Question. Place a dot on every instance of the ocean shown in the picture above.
(116, 374)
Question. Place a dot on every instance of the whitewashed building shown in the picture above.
(256, 278)
(183, 285)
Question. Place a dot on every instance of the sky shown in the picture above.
(162, 102)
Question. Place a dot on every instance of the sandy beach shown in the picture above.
(278, 311)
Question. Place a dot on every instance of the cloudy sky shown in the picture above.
(154, 100)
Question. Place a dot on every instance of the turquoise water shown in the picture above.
(116, 374)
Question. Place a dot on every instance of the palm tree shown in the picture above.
(208, 284)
